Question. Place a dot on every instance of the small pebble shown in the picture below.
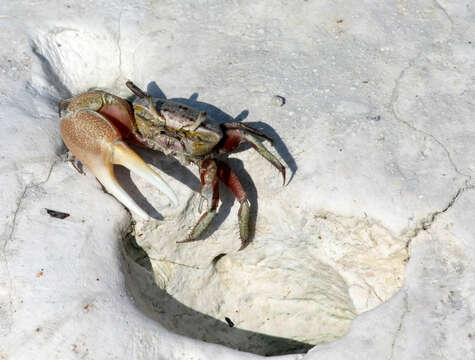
(57, 214)
(374, 118)
(278, 100)
(229, 321)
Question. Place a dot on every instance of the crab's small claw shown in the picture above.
(266, 154)
(97, 143)
(237, 133)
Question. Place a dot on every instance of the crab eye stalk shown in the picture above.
(201, 117)
(136, 90)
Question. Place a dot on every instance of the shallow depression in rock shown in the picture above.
(284, 293)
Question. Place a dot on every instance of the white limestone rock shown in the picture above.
(377, 135)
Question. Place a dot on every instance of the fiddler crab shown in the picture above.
(95, 124)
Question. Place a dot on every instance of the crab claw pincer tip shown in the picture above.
(123, 155)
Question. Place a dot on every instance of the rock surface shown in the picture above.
(377, 135)
(303, 278)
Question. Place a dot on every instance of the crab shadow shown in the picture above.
(183, 320)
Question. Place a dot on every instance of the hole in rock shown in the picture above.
(284, 293)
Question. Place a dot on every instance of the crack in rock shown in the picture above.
(4, 249)
(15, 215)
(10, 236)
(401, 323)
(119, 48)
(20, 200)
(395, 93)
(196, 267)
(426, 223)
(392, 107)
(444, 11)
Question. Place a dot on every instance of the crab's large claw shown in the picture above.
(98, 144)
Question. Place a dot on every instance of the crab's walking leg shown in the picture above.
(229, 177)
(236, 133)
(74, 162)
(97, 143)
(63, 106)
(210, 191)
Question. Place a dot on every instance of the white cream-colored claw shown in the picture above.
(96, 142)
(123, 155)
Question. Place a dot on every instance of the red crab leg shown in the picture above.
(236, 133)
(210, 191)
(229, 177)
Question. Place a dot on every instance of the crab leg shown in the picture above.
(63, 106)
(97, 143)
(236, 133)
(210, 191)
(229, 177)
